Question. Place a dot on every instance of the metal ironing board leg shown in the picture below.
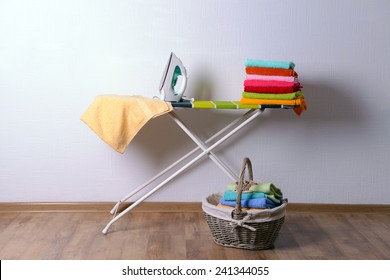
(200, 144)
(206, 150)
(231, 124)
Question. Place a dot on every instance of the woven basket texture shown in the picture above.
(224, 224)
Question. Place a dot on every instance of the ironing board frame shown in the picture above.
(233, 126)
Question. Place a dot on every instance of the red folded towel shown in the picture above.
(270, 89)
(271, 71)
(268, 83)
(265, 86)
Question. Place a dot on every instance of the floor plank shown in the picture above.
(149, 235)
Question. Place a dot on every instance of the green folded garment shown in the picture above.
(231, 187)
(267, 188)
(279, 96)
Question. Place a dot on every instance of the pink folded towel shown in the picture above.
(271, 78)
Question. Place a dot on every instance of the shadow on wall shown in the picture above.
(160, 141)
(204, 87)
(330, 109)
(156, 141)
(327, 105)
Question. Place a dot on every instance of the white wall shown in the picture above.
(56, 56)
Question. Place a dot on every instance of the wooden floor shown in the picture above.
(141, 235)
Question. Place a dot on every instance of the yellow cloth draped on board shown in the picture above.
(117, 119)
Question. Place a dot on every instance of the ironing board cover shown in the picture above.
(208, 104)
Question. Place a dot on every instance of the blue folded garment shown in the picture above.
(261, 203)
(244, 203)
(269, 196)
(251, 203)
(269, 64)
(232, 195)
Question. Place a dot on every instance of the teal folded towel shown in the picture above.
(262, 190)
(267, 188)
(232, 195)
(269, 64)
(258, 195)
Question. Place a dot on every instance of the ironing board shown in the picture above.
(251, 113)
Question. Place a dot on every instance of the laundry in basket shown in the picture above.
(253, 229)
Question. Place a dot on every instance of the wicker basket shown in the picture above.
(252, 229)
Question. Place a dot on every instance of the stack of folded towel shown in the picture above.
(272, 83)
(258, 196)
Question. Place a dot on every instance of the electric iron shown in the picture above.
(174, 80)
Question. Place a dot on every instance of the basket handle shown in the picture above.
(238, 213)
